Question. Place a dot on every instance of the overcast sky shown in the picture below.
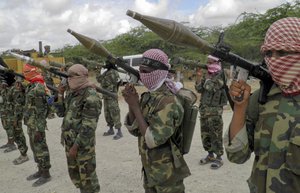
(25, 22)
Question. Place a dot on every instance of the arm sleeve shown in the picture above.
(242, 145)
(238, 150)
(60, 106)
(19, 103)
(199, 86)
(41, 107)
(133, 129)
(90, 115)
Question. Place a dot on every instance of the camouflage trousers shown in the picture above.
(18, 134)
(112, 113)
(40, 150)
(7, 127)
(82, 171)
(212, 134)
(177, 187)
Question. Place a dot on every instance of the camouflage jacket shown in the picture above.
(6, 107)
(109, 80)
(272, 132)
(213, 96)
(36, 107)
(162, 162)
(18, 99)
(81, 112)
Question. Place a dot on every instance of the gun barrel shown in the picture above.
(96, 47)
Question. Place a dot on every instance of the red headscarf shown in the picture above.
(32, 75)
(284, 35)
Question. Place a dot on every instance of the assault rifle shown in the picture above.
(177, 33)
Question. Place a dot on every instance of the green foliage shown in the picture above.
(246, 37)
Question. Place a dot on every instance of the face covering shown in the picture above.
(285, 72)
(78, 77)
(283, 37)
(214, 68)
(153, 80)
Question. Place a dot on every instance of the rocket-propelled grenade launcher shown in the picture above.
(97, 48)
(178, 34)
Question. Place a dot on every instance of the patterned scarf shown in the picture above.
(284, 35)
(215, 67)
(153, 80)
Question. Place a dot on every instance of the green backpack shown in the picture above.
(182, 138)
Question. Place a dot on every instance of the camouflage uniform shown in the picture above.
(272, 133)
(164, 167)
(49, 81)
(81, 111)
(213, 98)
(35, 113)
(18, 101)
(7, 112)
(109, 80)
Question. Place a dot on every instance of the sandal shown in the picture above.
(118, 136)
(216, 164)
(21, 159)
(206, 160)
(10, 148)
(4, 146)
(109, 132)
(42, 180)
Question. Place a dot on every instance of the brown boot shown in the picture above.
(45, 177)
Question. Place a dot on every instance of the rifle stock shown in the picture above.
(177, 33)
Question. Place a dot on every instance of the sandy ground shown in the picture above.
(118, 165)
